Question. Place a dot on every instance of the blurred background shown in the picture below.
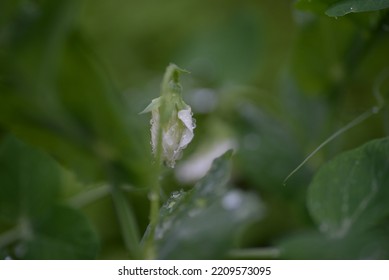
(268, 80)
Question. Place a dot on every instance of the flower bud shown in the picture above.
(171, 123)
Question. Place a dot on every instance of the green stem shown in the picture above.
(155, 199)
(85, 198)
(126, 217)
(170, 87)
(80, 200)
(127, 221)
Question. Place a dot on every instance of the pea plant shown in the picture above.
(249, 156)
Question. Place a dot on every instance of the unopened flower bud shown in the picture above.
(171, 121)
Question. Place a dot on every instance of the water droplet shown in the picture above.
(177, 194)
(170, 205)
(161, 230)
(193, 123)
(232, 200)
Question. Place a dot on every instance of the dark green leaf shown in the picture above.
(65, 234)
(317, 6)
(268, 148)
(312, 245)
(350, 193)
(241, 33)
(29, 186)
(204, 222)
(342, 8)
(319, 60)
(55, 95)
(29, 181)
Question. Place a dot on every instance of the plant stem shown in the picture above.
(155, 199)
(170, 87)
(126, 217)
(353, 123)
(128, 224)
(80, 200)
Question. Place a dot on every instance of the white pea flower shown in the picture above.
(172, 118)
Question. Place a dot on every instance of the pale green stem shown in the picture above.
(125, 215)
(154, 197)
(165, 108)
(127, 221)
(85, 198)
(356, 121)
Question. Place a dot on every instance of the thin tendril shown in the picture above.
(364, 116)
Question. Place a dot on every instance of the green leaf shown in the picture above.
(319, 60)
(29, 186)
(242, 34)
(57, 96)
(205, 221)
(29, 181)
(317, 6)
(342, 8)
(314, 246)
(65, 234)
(268, 149)
(350, 193)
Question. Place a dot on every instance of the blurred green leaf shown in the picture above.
(314, 246)
(64, 234)
(317, 6)
(320, 57)
(8, 8)
(204, 222)
(342, 8)
(29, 181)
(349, 193)
(268, 148)
(56, 95)
(230, 53)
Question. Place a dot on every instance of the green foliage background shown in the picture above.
(275, 78)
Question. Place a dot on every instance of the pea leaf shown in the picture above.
(313, 246)
(64, 234)
(317, 6)
(323, 64)
(342, 8)
(268, 151)
(30, 183)
(350, 193)
(54, 94)
(204, 222)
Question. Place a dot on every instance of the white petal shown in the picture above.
(186, 117)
